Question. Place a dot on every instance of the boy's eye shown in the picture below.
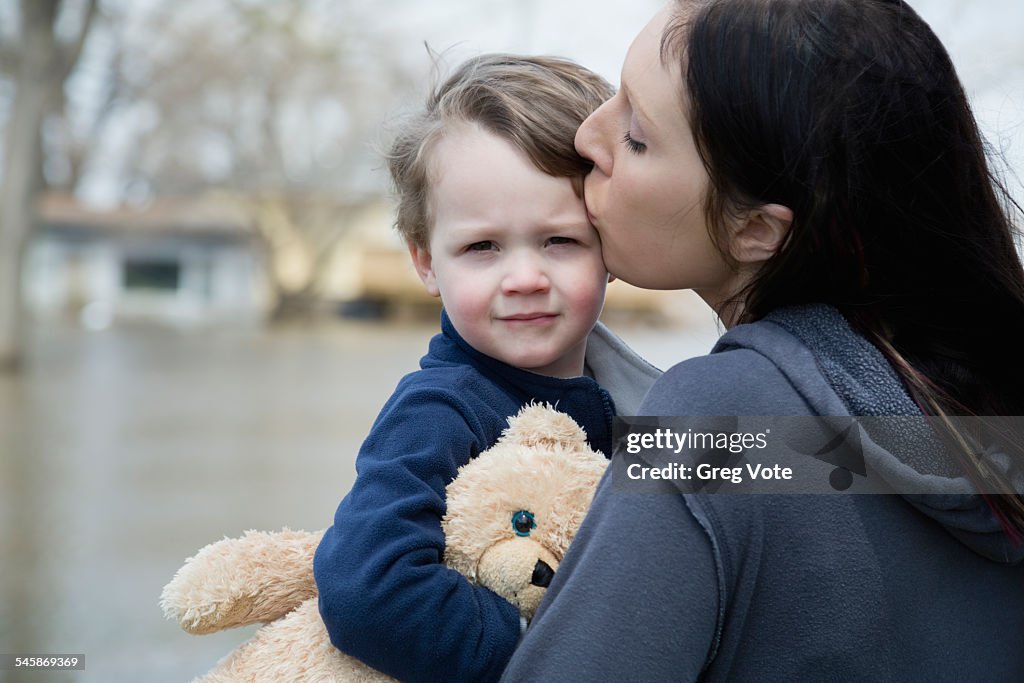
(485, 245)
(561, 240)
(632, 145)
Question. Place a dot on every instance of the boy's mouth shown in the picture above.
(529, 317)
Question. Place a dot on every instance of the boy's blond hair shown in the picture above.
(535, 103)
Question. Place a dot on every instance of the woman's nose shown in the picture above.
(590, 141)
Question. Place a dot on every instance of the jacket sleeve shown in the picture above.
(386, 597)
(651, 617)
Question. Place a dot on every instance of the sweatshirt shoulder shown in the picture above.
(454, 378)
(738, 381)
(442, 394)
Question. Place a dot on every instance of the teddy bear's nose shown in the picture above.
(542, 574)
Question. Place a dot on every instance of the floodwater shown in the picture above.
(123, 452)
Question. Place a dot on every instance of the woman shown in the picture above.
(812, 169)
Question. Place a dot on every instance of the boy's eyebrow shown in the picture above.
(555, 227)
(555, 223)
(472, 230)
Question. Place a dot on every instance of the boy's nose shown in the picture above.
(525, 275)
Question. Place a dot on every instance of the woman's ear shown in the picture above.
(760, 233)
(424, 268)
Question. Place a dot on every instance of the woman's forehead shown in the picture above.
(653, 85)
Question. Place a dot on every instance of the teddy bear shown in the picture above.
(511, 514)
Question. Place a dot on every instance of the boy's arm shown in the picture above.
(385, 595)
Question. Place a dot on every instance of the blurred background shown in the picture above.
(202, 305)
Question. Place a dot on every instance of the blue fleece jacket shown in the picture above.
(728, 587)
(385, 596)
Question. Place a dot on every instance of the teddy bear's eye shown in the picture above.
(523, 523)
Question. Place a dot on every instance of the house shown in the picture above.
(174, 261)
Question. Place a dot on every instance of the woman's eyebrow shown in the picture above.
(646, 122)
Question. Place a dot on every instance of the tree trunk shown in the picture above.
(42, 67)
(22, 165)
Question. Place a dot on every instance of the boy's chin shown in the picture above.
(554, 367)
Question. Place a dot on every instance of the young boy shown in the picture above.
(490, 206)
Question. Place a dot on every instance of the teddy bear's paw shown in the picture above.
(295, 649)
(210, 617)
(238, 581)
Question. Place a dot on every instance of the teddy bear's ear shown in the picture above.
(539, 424)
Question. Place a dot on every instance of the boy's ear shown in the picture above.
(424, 268)
(760, 233)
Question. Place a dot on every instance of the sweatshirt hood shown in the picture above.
(839, 373)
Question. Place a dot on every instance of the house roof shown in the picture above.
(165, 216)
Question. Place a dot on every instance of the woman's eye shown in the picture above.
(485, 245)
(633, 145)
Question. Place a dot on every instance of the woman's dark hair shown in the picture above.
(850, 113)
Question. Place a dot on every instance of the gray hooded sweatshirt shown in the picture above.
(722, 587)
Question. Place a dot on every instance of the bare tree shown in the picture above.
(276, 105)
(38, 62)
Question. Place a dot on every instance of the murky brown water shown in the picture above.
(123, 452)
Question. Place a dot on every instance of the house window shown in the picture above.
(159, 274)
